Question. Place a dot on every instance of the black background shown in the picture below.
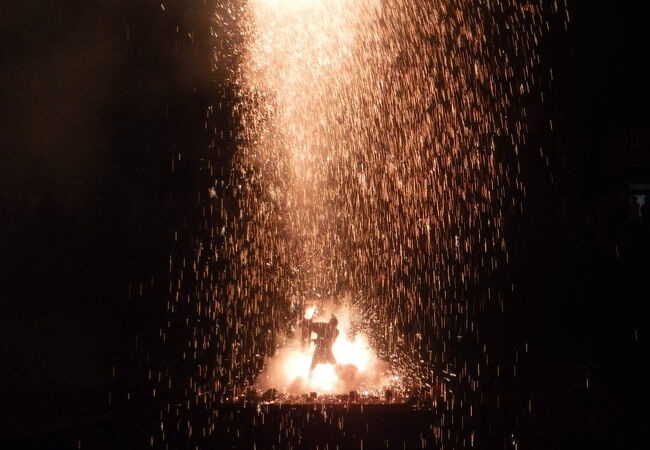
(97, 100)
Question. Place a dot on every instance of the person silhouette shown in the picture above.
(326, 333)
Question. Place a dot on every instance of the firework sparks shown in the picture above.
(367, 160)
(376, 161)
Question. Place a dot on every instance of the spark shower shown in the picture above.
(376, 166)
(366, 163)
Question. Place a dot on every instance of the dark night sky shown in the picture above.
(89, 124)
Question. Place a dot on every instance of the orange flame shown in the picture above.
(357, 364)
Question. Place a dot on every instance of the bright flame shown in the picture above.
(357, 365)
(309, 312)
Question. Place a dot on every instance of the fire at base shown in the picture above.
(357, 368)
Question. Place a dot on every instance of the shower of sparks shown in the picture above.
(376, 161)
(367, 162)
